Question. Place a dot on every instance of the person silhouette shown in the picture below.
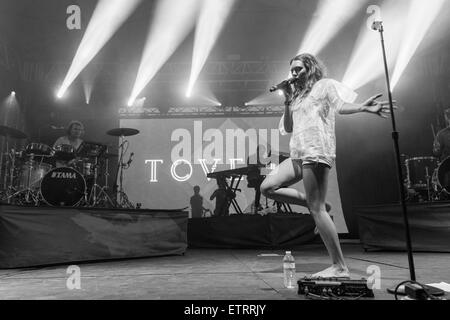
(197, 204)
(223, 198)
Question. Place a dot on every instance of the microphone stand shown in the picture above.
(378, 26)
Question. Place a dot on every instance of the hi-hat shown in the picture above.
(12, 133)
(118, 132)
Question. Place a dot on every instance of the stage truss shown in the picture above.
(202, 112)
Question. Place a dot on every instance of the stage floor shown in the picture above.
(213, 274)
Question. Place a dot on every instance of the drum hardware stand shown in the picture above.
(7, 166)
(427, 176)
(8, 133)
(106, 170)
(95, 198)
(122, 198)
(433, 194)
(1, 162)
(12, 163)
(30, 194)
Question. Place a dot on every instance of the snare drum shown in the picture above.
(419, 171)
(64, 152)
(63, 187)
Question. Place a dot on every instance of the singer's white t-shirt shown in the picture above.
(313, 134)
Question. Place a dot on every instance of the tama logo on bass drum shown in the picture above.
(64, 175)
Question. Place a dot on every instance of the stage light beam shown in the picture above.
(10, 100)
(366, 62)
(87, 88)
(108, 16)
(266, 99)
(420, 17)
(171, 23)
(204, 97)
(329, 18)
(211, 20)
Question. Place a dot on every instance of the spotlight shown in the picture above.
(13, 93)
(60, 93)
(130, 102)
(280, 92)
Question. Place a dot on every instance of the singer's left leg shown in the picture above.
(315, 179)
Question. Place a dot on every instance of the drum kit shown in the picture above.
(427, 179)
(62, 175)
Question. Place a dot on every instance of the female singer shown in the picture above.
(311, 102)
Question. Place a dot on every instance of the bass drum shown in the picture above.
(443, 175)
(63, 187)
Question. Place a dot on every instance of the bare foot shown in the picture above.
(333, 272)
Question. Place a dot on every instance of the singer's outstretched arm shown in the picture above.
(371, 105)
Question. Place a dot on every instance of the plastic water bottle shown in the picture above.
(289, 270)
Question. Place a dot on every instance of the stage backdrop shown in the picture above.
(171, 156)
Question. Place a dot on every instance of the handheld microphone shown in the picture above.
(283, 84)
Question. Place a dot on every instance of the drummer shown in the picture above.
(441, 144)
(75, 131)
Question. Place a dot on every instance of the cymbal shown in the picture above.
(12, 133)
(122, 132)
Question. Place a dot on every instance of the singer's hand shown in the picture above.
(380, 108)
(287, 93)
